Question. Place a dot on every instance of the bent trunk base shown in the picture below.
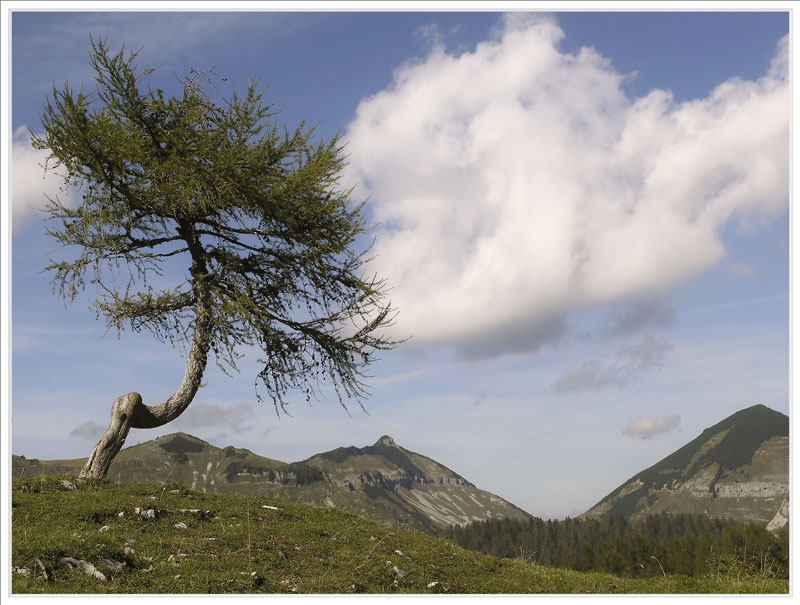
(122, 413)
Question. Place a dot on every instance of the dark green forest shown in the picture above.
(690, 545)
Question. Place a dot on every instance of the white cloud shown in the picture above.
(516, 183)
(30, 184)
(646, 428)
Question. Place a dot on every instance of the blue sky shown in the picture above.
(583, 216)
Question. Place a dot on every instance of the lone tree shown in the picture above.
(252, 214)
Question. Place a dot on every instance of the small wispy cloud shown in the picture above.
(627, 365)
(743, 270)
(646, 428)
(647, 313)
(204, 415)
(56, 339)
(88, 430)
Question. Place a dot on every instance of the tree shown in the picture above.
(253, 213)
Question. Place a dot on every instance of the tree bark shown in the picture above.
(122, 413)
(128, 411)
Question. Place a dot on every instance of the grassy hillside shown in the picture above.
(194, 542)
(728, 471)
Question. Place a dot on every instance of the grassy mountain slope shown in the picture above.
(737, 469)
(393, 478)
(200, 543)
(383, 482)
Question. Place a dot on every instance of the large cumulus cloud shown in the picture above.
(30, 184)
(516, 183)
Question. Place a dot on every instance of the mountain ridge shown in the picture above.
(383, 482)
(737, 469)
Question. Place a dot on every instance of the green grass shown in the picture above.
(243, 547)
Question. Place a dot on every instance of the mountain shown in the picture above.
(737, 469)
(383, 482)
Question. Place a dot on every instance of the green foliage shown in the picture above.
(752, 549)
(231, 452)
(629, 503)
(689, 545)
(207, 185)
(304, 474)
(340, 454)
(298, 473)
(240, 546)
(374, 492)
(396, 457)
(181, 445)
(236, 467)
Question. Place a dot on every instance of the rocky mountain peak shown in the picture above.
(737, 469)
(386, 440)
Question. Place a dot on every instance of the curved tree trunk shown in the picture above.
(128, 411)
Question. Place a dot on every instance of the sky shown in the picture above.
(583, 218)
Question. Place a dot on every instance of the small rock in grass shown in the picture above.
(68, 484)
(254, 577)
(113, 565)
(149, 513)
(270, 507)
(84, 566)
(398, 573)
(402, 554)
(181, 525)
(103, 529)
(201, 514)
(23, 571)
(432, 584)
(45, 574)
